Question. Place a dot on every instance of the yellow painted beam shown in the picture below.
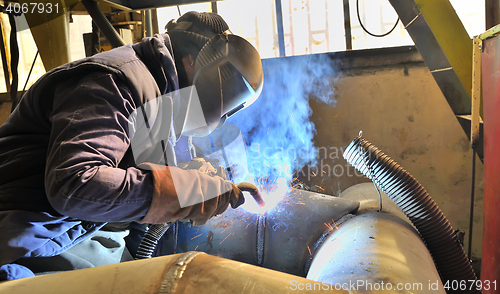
(476, 91)
(5, 51)
(493, 32)
(50, 31)
(451, 36)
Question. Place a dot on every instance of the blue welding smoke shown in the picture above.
(277, 127)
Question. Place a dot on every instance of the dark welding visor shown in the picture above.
(228, 77)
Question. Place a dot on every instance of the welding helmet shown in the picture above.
(228, 77)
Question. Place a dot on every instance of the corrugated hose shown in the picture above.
(402, 188)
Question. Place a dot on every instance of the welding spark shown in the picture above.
(196, 247)
(225, 229)
(196, 236)
(334, 224)
(320, 189)
(226, 237)
(309, 249)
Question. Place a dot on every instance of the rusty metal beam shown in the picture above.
(490, 266)
(492, 12)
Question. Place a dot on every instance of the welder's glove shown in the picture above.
(174, 186)
(206, 167)
(200, 165)
(222, 172)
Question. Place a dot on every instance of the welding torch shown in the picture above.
(155, 232)
(247, 187)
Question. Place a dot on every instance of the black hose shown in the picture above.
(14, 62)
(436, 231)
(103, 23)
(150, 240)
(29, 74)
(370, 33)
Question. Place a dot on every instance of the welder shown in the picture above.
(71, 183)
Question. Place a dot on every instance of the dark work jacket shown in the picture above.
(65, 163)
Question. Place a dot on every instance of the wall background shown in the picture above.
(401, 110)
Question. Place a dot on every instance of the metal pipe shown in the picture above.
(375, 251)
(191, 272)
(214, 7)
(280, 238)
(347, 26)
(471, 215)
(416, 203)
(103, 23)
(281, 32)
(149, 23)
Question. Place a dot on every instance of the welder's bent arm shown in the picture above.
(88, 141)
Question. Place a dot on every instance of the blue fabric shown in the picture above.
(10, 272)
(65, 163)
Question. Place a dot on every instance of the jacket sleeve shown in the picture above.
(88, 140)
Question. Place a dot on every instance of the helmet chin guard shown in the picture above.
(228, 77)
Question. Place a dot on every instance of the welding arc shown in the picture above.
(436, 231)
(247, 187)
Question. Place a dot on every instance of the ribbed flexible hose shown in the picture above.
(436, 231)
(150, 240)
